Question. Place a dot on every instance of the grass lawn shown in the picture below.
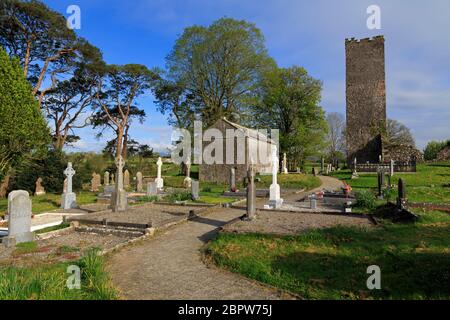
(51, 202)
(332, 263)
(48, 282)
(431, 183)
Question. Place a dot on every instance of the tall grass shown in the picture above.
(49, 282)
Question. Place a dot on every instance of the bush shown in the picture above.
(49, 166)
(179, 196)
(433, 148)
(365, 199)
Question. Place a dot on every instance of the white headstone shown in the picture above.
(19, 216)
(106, 178)
(69, 198)
(391, 168)
(275, 200)
(284, 169)
(159, 181)
(233, 180)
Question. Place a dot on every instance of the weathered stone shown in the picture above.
(195, 190)
(366, 98)
(119, 201)
(19, 217)
(139, 182)
(94, 182)
(233, 179)
(152, 189)
(126, 179)
(69, 198)
(251, 195)
(113, 179)
(39, 191)
(284, 164)
(106, 178)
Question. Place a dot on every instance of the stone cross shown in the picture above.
(19, 218)
(275, 200)
(39, 191)
(119, 196)
(106, 178)
(69, 198)
(159, 181)
(65, 186)
(139, 185)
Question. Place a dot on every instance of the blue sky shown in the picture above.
(298, 32)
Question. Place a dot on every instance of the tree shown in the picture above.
(116, 97)
(213, 71)
(22, 126)
(336, 136)
(40, 39)
(68, 102)
(433, 148)
(290, 103)
(398, 133)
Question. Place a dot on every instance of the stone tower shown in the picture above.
(366, 98)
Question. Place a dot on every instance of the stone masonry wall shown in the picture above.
(366, 98)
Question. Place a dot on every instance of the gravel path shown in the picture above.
(170, 266)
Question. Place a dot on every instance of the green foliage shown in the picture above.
(365, 199)
(26, 247)
(332, 263)
(290, 102)
(229, 52)
(49, 166)
(22, 126)
(48, 282)
(178, 196)
(433, 148)
(148, 199)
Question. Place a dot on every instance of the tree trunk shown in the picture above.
(125, 143)
(119, 141)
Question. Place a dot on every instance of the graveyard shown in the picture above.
(215, 171)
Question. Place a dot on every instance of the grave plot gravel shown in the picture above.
(66, 247)
(156, 214)
(291, 223)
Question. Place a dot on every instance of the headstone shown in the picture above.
(39, 191)
(391, 168)
(251, 195)
(106, 178)
(119, 196)
(380, 158)
(285, 169)
(94, 182)
(275, 200)
(401, 198)
(195, 189)
(126, 179)
(139, 182)
(187, 182)
(19, 217)
(313, 171)
(322, 164)
(152, 190)
(69, 198)
(113, 179)
(233, 180)
(159, 180)
(354, 173)
(312, 202)
(380, 183)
